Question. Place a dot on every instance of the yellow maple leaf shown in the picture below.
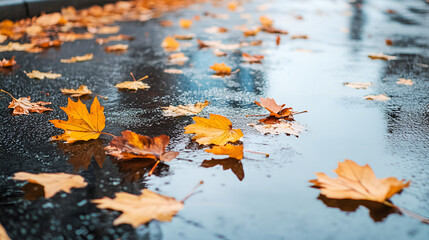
(215, 130)
(81, 125)
(42, 75)
(185, 23)
(133, 85)
(221, 68)
(170, 44)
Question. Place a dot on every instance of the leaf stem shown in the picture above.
(295, 113)
(1, 90)
(132, 75)
(100, 96)
(153, 168)
(108, 134)
(192, 192)
(266, 154)
(256, 115)
(408, 212)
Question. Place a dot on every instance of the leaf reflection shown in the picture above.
(33, 191)
(228, 163)
(377, 211)
(135, 169)
(81, 153)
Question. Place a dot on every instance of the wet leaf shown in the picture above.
(219, 53)
(133, 85)
(219, 45)
(173, 71)
(358, 85)
(83, 58)
(53, 182)
(140, 209)
(7, 63)
(166, 23)
(269, 29)
(2, 38)
(81, 125)
(278, 39)
(71, 36)
(281, 126)
(265, 21)
(105, 30)
(251, 32)
(275, 110)
(404, 81)
(232, 6)
(23, 105)
(216, 29)
(15, 46)
(3, 233)
(42, 75)
(358, 182)
(389, 42)
(119, 37)
(185, 23)
(116, 48)
(170, 44)
(47, 20)
(233, 151)
(381, 56)
(221, 69)
(132, 145)
(184, 37)
(379, 97)
(82, 90)
(252, 58)
(215, 130)
(177, 58)
(81, 153)
(184, 110)
(299, 36)
(235, 165)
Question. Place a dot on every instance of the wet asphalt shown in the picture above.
(257, 198)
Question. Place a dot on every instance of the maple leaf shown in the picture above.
(81, 153)
(53, 182)
(275, 110)
(81, 125)
(404, 81)
(233, 151)
(133, 85)
(358, 182)
(23, 105)
(3, 233)
(379, 97)
(7, 63)
(381, 56)
(185, 23)
(357, 85)
(116, 48)
(83, 58)
(82, 90)
(132, 145)
(173, 71)
(170, 44)
(184, 110)
(215, 130)
(252, 58)
(221, 69)
(280, 126)
(140, 209)
(42, 75)
(119, 37)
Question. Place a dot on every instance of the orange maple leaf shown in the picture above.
(275, 110)
(358, 183)
(23, 105)
(7, 63)
(233, 151)
(81, 125)
(170, 44)
(221, 69)
(215, 130)
(185, 23)
(132, 145)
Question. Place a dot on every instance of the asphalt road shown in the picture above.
(273, 199)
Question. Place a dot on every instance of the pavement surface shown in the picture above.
(257, 198)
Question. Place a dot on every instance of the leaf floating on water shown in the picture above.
(379, 97)
(265, 21)
(42, 75)
(275, 110)
(358, 182)
(83, 58)
(358, 85)
(381, 56)
(184, 37)
(404, 81)
(185, 110)
(53, 182)
(286, 127)
(23, 105)
(233, 151)
(133, 85)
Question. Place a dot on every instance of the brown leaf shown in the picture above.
(184, 37)
(132, 145)
(229, 163)
(299, 36)
(81, 153)
(389, 42)
(23, 105)
(268, 29)
(184, 110)
(116, 48)
(53, 182)
(278, 39)
(83, 58)
(275, 110)
(233, 151)
(42, 75)
(381, 56)
(252, 58)
(119, 37)
(140, 209)
(82, 90)
(7, 63)
(133, 85)
(358, 182)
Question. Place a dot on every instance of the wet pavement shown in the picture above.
(257, 198)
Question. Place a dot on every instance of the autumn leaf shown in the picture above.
(299, 36)
(23, 105)
(119, 37)
(2, 38)
(47, 20)
(278, 39)
(81, 125)
(83, 58)
(232, 6)
(166, 23)
(82, 90)
(251, 32)
(216, 29)
(104, 30)
(280, 126)
(252, 58)
(53, 182)
(133, 85)
(46, 42)
(177, 58)
(132, 145)
(389, 42)
(217, 15)
(184, 110)
(404, 81)
(42, 75)
(116, 48)
(71, 36)
(275, 110)
(140, 209)
(219, 53)
(3, 233)
(233, 151)
(81, 153)
(7, 63)
(185, 23)
(269, 29)
(265, 21)
(358, 85)
(184, 37)
(358, 182)
(173, 71)
(379, 97)
(381, 56)
(221, 69)
(15, 46)
(235, 165)
(215, 130)
(170, 44)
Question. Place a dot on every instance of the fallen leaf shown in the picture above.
(83, 58)
(218, 45)
(358, 182)
(53, 182)
(184, 37)
(235, 165)
(71, 36)
(14, 46)
(298, 36)
(42, 75)
(275, 110)
(133, 85)
(215, 130)
(233, 151)
(379, 97)
(173, 71)
(221, 69)
(170, 44)
(177, 58)
(23, 105)
(404, 81)
(185, 23)
(166, 23)
(252, 58)
(251, 32)
(132, 145)
(3, 233)
(184, 110)
(81, 125)
(105, 30)
(358, 85)
(219, 53)
(2, 38)
(81, 153)
(7, 63)
(288, 128)
(82, 90)
(381, 56)
(278, 39)
(119, 37)
(47, 20)
(217, 15)
(140, 209)
(265, 21)
(269, 29)
(232, 6)
(116, 47)
(216, 29)
(389, 42)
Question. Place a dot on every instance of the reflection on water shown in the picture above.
(33, 191)
(228, 163)
(136, 169)
(82, 152)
